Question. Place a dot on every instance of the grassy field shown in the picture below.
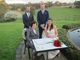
(11, 33)
(63, 16)
(10, 37)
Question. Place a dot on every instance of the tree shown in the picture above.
(77, 4)
(49, 4)
(57, 3)
(3, 9)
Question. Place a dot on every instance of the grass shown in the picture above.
(59, 24)
(11, 33)
(57, 11)
(63, 16)
(10, 37)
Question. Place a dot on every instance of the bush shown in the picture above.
(9, 17)
(72, 53)
(77, 4)
(65, 27)
(1, 20)
(71, 26)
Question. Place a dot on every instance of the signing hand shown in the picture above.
(42, 26)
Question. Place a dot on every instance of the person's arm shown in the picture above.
(29, 39)
(45, 31)
(28, 35)
(56, 32)
(47, 16)
(32, 17)
(24, 21)
(38, 18)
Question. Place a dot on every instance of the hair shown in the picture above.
(33, 22)
(50, 19)
(27, 6)
(51, 27)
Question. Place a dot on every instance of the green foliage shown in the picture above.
(71, 26)
(3, 10)
(66, 27)
(72, 53)
(11, 33)
(10, 16)
(49, 4)
(67, 14)
(77, 4)
(10, 37)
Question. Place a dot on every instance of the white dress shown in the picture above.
(51, 34)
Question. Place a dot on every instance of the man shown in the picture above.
(27, 17)
(42, 18)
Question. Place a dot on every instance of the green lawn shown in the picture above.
(11, 33)
(63, 16)
(10, 37)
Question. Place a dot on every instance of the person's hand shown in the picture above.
(42, 26)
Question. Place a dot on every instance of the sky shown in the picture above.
(36, 1)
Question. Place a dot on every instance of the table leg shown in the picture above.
(46, 55)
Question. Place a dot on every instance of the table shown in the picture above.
(46, 44)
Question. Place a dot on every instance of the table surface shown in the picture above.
(46, 44)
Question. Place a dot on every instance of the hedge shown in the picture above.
(72, 53)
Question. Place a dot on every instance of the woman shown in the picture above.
(33, 34)
(50, 31)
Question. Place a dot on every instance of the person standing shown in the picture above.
(42, 18)
(27, 17)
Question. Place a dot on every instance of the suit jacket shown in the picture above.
(31, 35)
(42, 18)
(27, 20)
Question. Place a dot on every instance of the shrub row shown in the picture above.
(7, 20)
(71, 26)
(9, 17)
(72, 53)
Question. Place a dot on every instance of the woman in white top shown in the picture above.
(50, 31)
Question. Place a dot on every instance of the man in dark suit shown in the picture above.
(27, 17)
(42, 18)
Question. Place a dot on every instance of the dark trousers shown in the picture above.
(40, 32)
